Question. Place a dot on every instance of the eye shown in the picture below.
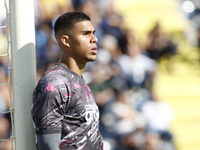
(86, 33)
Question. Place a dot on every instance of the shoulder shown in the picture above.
(55, 77)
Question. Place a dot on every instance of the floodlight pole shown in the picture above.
(24, 71)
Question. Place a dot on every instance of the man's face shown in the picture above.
(83, 42)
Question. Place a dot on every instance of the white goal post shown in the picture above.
(24, 71)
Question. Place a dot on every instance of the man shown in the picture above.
(64, 111)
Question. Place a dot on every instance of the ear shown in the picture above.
(65, 40)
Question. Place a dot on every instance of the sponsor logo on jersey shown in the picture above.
(77, 86)
(51, 88)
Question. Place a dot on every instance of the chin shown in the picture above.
(91, 59)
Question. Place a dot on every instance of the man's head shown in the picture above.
(67, 22)
(75, 35)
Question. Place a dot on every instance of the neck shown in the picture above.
(73, 65)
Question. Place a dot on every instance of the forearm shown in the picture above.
(48, 141)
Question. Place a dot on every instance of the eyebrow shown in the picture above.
(89, 31)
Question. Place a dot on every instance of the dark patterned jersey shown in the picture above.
(63, 103)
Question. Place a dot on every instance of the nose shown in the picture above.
(94, 39)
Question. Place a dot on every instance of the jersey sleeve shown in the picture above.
(48, 141)
(48, 108)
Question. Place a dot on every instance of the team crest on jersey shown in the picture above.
(86, 89)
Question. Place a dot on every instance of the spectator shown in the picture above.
(158, 44)
(5, 124)
(159, 116)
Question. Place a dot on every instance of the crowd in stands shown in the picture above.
(132, 116)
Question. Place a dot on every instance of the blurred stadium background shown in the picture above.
(181, 87)
(175, 80)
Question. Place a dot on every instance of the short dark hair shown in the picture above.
(68, 20)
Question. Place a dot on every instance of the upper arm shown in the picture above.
(48, 109)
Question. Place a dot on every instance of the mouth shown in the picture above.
(94, 50)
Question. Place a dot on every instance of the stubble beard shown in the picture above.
(90, 59)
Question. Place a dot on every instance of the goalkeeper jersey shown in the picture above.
(63, 103)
